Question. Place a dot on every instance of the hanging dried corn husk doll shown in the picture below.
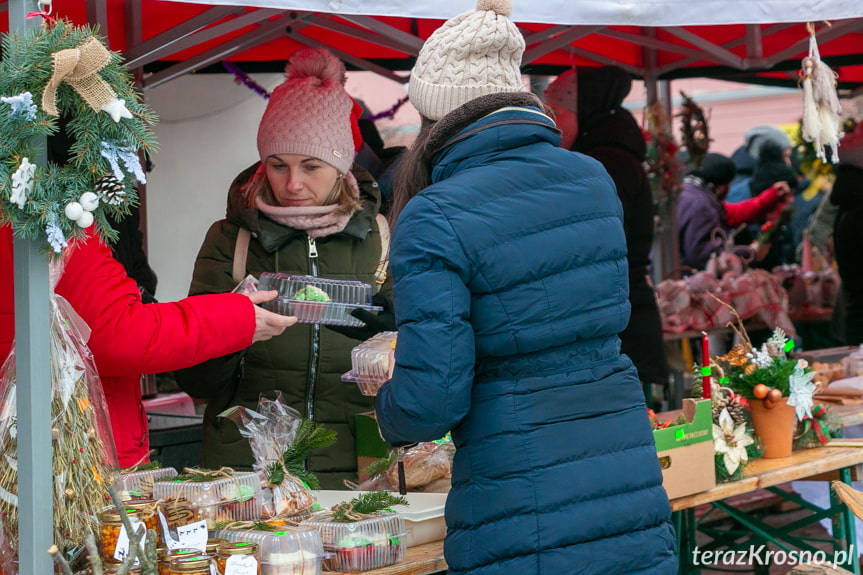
(821, 108)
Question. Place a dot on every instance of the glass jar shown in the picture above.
(167, 555)
(192, 565)
(110, 525)
(149, 515)
(213, 546)
(227, 550)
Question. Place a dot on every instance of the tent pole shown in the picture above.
(33, 379)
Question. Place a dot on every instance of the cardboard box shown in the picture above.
(370, 445)
(686, 451)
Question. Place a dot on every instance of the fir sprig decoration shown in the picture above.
(366, 504)
(381, 465)
(310, 435)
(35, 194)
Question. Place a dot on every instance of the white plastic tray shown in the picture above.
(424, 517)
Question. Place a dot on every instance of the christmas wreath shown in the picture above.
(694, 130)
(65, 71)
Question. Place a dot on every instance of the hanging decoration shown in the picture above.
(822, 111)
(694, 130)
(62, 70)
(664, 167)
(243, 78)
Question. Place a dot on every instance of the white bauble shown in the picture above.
(85, 221)
(89, 201)
(74, 210)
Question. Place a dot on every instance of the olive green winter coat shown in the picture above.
(306, 362)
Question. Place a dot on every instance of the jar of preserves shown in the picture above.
(149, 515)
(166, 555)
(213, 546)
(233, 552)
(110, 526)
(191, 565)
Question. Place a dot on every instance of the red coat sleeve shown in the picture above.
(752, 211)
(130, 337)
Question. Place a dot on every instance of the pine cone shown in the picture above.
(110, 190)
(735, 409)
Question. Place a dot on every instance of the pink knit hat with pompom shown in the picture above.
(310, 112)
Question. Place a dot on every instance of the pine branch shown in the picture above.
(366, 504)
(382, 465)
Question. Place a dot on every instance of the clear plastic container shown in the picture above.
(292, 551)
(361, 545)
(317, 300)
(236, 498)
(370, 362)
(139, 484)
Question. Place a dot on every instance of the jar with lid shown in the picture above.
(238, 549)
(191, 565)
(213, 546)
(167, 555)
(110, 526)
(149, 515)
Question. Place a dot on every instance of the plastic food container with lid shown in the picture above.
(370, 362)
(235, 498)
(139, 484)
(317, 300)
(360, 545)
(290, 551)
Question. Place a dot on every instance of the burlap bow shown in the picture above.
(80, 68)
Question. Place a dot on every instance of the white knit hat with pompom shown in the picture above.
(310, 112)
(474, 54)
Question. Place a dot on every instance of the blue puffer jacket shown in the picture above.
(510, 289)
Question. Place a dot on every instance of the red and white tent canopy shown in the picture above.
(751, 40)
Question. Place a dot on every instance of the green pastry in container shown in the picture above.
(310, 304)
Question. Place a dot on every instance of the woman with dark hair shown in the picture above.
(510, 287)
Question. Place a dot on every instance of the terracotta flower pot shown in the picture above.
(775, 426)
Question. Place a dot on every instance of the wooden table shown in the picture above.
(768, 474)
(421, 560)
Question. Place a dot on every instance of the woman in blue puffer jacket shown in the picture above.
(510, 287)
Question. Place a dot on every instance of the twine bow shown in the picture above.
(80, 67)
(818, 423)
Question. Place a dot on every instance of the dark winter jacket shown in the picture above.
(510, 289)
(307, 361)
(614, 138)
(847, 239)
(699, 216)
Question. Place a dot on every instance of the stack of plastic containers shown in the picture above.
(139, 484)
(235, 498)
(361, 545)
(291, 551)
(317, 300)
(370, 362)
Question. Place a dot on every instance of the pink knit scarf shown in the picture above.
(316, 221)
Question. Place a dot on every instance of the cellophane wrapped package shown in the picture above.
(271, 430)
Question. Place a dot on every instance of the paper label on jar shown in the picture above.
(122, 549)
(241, 565)
(194, 535)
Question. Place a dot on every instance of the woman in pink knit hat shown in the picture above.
(304, 209)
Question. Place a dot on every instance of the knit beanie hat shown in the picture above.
(310, 113)
(757, 136)
(716, 169)
(563, 92)
(474, 54)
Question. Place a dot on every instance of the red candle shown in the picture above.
(705, 366)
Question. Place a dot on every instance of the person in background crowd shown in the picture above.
(770, 168)
(130, 338)
(847, 195)
(746, 156)
(587, 107)
(704, 219)
(510, 287)
(305, 211)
